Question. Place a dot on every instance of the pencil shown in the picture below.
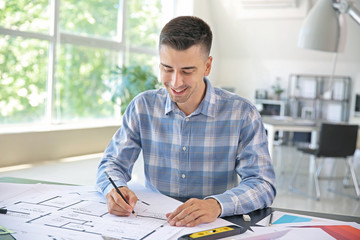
(270, 220)
(118, 191)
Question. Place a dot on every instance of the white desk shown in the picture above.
(288, 124)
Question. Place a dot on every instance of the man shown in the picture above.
(196, 139)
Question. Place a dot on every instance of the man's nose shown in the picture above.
(176, 80)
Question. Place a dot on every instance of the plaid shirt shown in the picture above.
(200, 155)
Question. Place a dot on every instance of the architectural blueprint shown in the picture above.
(81, 213)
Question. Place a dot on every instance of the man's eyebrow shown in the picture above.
(184, 68)
(166, 65)
(188, 68)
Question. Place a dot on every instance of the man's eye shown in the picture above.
(168, 70)
(187, 72)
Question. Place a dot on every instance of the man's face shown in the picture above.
(182, 74)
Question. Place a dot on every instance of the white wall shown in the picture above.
(250, 53)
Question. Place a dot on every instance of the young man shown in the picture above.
(196, 139)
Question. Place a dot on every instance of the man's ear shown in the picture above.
(208, 65)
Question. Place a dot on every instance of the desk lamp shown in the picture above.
(321, 29)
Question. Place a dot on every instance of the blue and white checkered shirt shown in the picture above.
(200, 155)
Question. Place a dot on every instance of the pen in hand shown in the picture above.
(118, 191)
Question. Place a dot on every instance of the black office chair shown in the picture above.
(335, 141)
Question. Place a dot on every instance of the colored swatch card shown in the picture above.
(291, 219)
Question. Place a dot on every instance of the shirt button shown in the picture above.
(187, 119)
(183, 175)
(184, 148)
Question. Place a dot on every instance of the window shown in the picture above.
(22, 79)
(56, 57)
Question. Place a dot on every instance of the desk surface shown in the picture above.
(255, 215)
(262, 213)
(288, 121)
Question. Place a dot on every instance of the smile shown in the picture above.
(178, 92)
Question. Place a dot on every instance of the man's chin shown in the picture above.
(178, 99)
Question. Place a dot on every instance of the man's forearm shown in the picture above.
(246, 198)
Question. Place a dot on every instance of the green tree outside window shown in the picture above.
(82, 73)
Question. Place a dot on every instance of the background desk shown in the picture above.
(288, 124)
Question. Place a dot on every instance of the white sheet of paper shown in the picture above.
(9, 190)
(284, 234)
(306, 233)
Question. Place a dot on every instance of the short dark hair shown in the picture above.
(184, 32)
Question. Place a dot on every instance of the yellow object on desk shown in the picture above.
(215, 233)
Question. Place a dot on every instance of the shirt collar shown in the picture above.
(206, 107)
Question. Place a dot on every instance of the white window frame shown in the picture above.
(54, 37)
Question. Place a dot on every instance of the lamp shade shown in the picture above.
(321, 29)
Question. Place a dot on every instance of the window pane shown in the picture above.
(90, 18)
(25, 15)
(23, 74)
(143, 23)
(83, 83)
(143, 59)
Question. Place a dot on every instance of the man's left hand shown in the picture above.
(194, 212)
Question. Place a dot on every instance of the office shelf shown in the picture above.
(319, 97)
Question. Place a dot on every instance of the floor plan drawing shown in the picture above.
(82, 212)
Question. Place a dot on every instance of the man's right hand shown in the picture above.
(117, 205)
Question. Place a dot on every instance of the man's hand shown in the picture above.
(117, 205)
(194, 212)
